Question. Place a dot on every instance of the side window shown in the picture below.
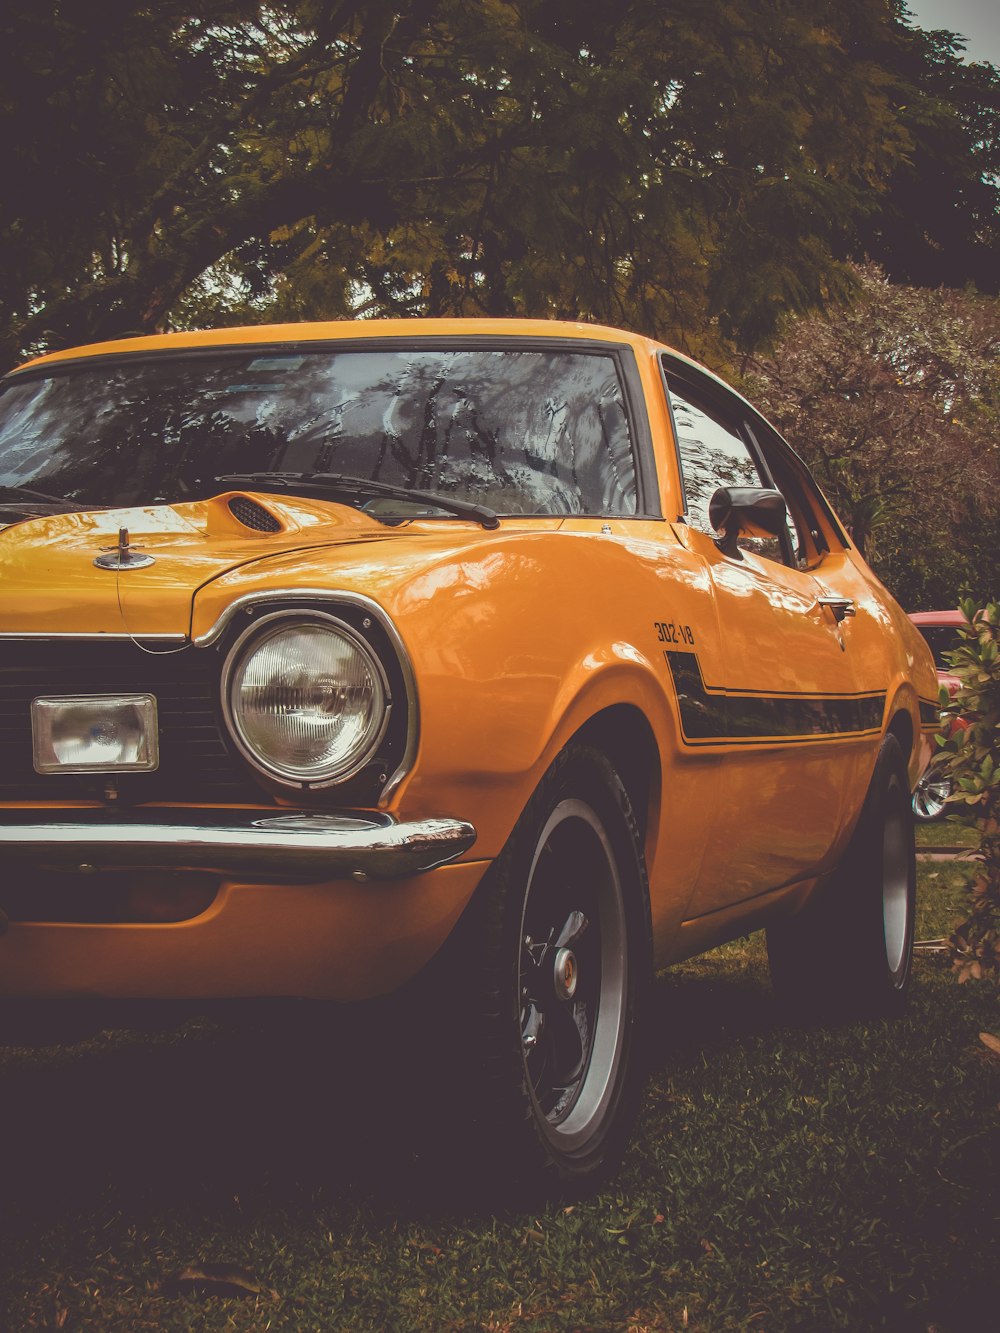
(714, 453)
(806, 543)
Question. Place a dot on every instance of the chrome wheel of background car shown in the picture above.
(850, 948)
(932, 791)
(573, 974)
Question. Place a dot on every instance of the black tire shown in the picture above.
(849, 951)
(559, 940)
(930, 796)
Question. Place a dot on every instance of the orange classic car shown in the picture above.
(331, 654)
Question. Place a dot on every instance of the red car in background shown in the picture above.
(942, 630)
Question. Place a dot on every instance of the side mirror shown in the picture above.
(746, 511)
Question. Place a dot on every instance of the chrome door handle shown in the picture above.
(842, 607)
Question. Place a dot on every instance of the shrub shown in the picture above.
(974, 763)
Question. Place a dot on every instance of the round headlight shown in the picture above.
(307, 699)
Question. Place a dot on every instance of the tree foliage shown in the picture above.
(935, 222)
(695, 168)
(974, 763)
(895, 403)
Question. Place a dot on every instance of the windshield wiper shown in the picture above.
(18, 493)
(357, 486)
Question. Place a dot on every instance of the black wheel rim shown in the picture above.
(573, 976)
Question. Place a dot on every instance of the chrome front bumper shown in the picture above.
(304, 846)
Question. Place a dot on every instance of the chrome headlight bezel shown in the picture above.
(249, 642)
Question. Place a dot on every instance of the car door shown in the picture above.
(773, 691)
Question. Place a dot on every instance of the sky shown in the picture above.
(977, 20)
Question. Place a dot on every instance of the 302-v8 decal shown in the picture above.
(668, 631)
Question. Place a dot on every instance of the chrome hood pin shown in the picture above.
(123, 556)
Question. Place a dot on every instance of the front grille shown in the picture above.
(197, 767)
(195, 762)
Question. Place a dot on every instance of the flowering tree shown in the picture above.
(894, 402)
(974, 762)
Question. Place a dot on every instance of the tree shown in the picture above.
(973, 760)
(936, 223)
(895, 403)
(696, 170)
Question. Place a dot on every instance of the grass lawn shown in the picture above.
(943, 833)
(781, 1178)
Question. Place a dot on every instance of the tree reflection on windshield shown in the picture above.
(522, 431)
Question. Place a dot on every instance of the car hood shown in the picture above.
(49, 582)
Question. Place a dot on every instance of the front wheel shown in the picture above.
(850, 948)
(564, 947)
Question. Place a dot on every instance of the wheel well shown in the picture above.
(623, 734)
(901, 727)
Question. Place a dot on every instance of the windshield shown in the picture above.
(522, 431)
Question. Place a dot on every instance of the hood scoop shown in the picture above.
(253, 515)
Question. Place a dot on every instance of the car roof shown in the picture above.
(351, 329)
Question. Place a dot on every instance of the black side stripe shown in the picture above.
(930, 714)
(712, 716)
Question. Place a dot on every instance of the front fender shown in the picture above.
(517, 647)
